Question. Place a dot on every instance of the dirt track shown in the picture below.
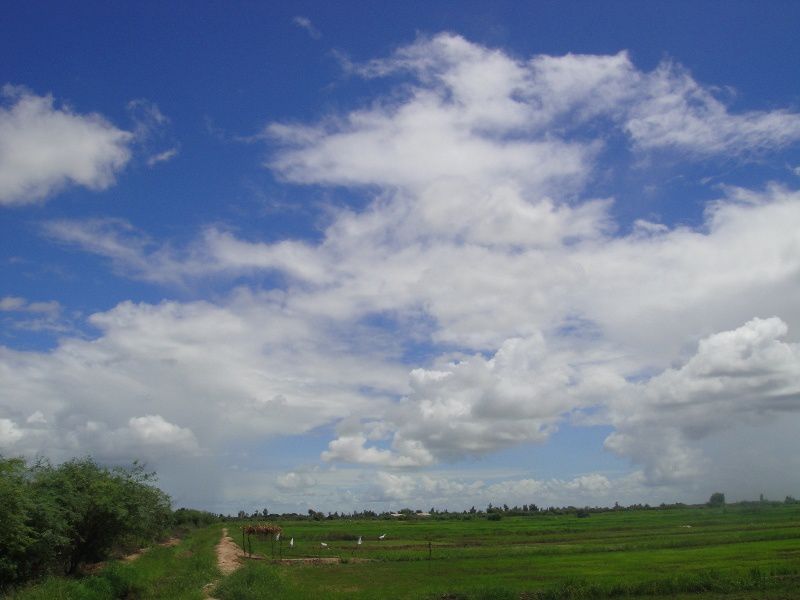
(228, 554)
(229, 557)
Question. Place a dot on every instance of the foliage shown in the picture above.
(717, 499)
(53, 519)
(195, 518)
(162, 573)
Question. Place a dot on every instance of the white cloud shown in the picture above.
(588, 489)
(306, 24)
(675, 112)
(184, 372)
(482, 244)
(296, 481)
(161, 157)
(10, 433)
(746, 376)
(472, 114)
(154, 430)
(216, 254)
(476, 406)
(19, 304)
(44, 148)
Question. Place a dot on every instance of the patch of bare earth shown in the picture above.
(228, 554)
(94, 568)
(229, 558)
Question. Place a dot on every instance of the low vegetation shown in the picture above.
(692, 552)
(169, 572)
(54, 519)
(56, 522)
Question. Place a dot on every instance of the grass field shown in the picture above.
(733, 552)
(162, 573)
(628, 553)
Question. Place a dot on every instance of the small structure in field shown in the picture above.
(261, 529)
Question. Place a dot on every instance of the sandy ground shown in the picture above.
(228, 554)
(229, 557)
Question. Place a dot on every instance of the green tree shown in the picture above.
(717, 499)
(16, 535)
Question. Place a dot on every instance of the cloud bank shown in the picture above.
(485, 298)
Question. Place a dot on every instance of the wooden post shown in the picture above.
(429, 550)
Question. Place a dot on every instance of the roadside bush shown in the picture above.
(52, 519)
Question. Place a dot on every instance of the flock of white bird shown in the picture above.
(324, 545)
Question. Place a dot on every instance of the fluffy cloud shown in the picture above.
(44, 148)
(243, 371)
(477, 115)
(476, 406)
(746, 376)
(483, 247)
(295, 481)
(395, 487)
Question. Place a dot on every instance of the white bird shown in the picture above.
(380, 537)
(277, 536)
(323, 544)
(291, 543)
(359, 540)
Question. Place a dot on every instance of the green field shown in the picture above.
(732, 552)
(633, 553)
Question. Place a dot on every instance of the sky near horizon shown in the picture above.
(373, 256)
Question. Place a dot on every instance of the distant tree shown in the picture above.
(717, 499)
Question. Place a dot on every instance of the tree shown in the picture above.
(717, 499)
(16, 535)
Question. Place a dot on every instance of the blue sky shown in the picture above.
(346, 255)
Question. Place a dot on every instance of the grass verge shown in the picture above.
(163, 573)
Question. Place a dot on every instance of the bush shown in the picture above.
(52, 519)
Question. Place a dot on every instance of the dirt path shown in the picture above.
(229, 557)
(228, 554)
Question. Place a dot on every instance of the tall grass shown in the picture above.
(168, 573)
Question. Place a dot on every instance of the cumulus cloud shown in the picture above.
(295, 481)
(44, 148)
(476, 406)
(746, 376)
(182, 373)
(471, 113)
(485, 246)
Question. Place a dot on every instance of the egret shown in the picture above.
(359, 540)
(291, 543)
(323, 544)
(380, 537)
